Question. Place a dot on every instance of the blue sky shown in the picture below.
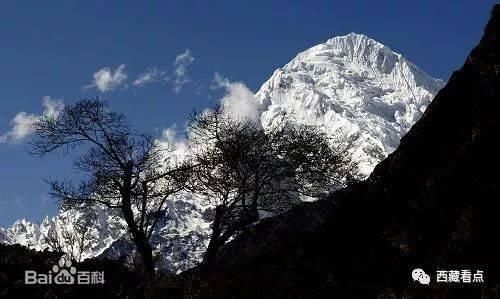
(72, 49)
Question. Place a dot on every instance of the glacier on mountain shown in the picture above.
(349, 86)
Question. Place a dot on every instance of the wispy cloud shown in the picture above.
(239, 101)
(171, 136)
(219, 82)
(106, 79)
(175, 143)
(151, 75)
(22, 123)
(181, 63)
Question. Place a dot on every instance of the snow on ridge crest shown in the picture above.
(351, 83)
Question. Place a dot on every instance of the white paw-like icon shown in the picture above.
(64, 276)
(421, 276)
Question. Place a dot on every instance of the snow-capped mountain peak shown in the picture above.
(349, 86)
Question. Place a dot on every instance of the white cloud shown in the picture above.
(182, 61)
(239, 101)
(21, 127)
(106, 79)
(22, 123)
(169, 135)
(175, 144)
(151, 75)
(219, 81)
(52, 107)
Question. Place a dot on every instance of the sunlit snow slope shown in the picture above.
(351, 85)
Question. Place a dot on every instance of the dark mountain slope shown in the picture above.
(426, 205)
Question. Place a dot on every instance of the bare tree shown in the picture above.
(82, 228)
(54, 242)
(124, 170)
(243, 169)
(70, 235)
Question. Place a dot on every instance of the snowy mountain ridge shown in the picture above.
(350, 85)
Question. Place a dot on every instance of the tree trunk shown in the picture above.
(254, 210)
(211, 254)
(138, 235)
(146, 252)
(214, 244)
(140, 240)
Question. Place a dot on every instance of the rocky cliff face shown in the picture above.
(426, 205)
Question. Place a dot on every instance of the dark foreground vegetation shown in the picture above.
(426, 205)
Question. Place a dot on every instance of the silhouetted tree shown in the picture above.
(244, 170)
(124, 170)
(70, 235)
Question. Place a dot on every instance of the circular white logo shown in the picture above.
(420, 275)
